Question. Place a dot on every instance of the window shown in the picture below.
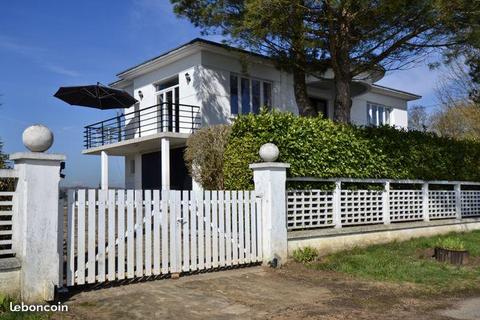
(378, 114)
(267, 94)
(245, 95)
(255, 96)
(167, 84)
(249, 95)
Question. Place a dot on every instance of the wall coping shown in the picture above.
(332, 232)
(37, 156)
(9, 264)
(269, 165)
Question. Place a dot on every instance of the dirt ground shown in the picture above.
(291, 292)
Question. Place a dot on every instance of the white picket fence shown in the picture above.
(122, 234)
(307, 209)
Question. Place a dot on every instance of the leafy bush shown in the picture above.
(204, 155)
(305, 255)
(317, 147)
(451, 243)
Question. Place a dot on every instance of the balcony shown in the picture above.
(164, 117)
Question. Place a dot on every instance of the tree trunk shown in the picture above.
(301, 97)
(343, 99)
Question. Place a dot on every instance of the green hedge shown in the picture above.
(317, 147)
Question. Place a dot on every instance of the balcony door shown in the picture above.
(168, 104)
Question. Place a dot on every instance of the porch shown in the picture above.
(151, 137)
(127, 128)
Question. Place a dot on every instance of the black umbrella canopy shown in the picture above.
(95, 96)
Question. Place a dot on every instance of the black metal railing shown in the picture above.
(164, 117)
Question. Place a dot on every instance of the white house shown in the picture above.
(204, 83)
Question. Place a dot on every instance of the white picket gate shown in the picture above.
(122, 234)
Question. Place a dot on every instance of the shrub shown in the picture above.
(305, 255)
(204, 155)
(450, 243)
(317, 147)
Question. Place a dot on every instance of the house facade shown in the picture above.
(203, 83)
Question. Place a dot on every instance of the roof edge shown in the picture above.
(399, 93)
(191, 42)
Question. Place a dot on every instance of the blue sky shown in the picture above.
(48, 44)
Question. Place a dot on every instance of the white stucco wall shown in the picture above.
(398, 115)
(214, 86)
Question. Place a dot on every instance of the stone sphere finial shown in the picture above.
(37, 138)
(269, 152)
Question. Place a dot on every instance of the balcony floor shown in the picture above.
(144, 144)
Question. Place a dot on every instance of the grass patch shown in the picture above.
(305, 255)
(406, 262)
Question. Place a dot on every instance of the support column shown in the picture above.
(458, 200)
(386, 203)
(270, 184)
(337, 210)
(36, 224)
(165, 155)
(425, 206)
(104, 173)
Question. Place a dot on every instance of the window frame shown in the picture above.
(373, 113)
(240, 95)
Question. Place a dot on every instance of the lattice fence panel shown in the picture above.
(441, 204)
(470, 203)
(405, 205)
(361, 207)
(309, 209)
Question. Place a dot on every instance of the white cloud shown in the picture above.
(13, 46)
(61, 70)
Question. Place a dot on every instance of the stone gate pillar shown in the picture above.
(35, 225)
(270, 183)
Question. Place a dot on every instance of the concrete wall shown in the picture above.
(10, 277)
(330, 241)
(10, 283)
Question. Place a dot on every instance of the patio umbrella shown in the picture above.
(95, 96)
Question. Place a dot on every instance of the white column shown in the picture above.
(337, 210)
(36, 224)
(426, 214)
(104, 173)
(386, 203)
(458, 200)
(270, 184)
(165, 155)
